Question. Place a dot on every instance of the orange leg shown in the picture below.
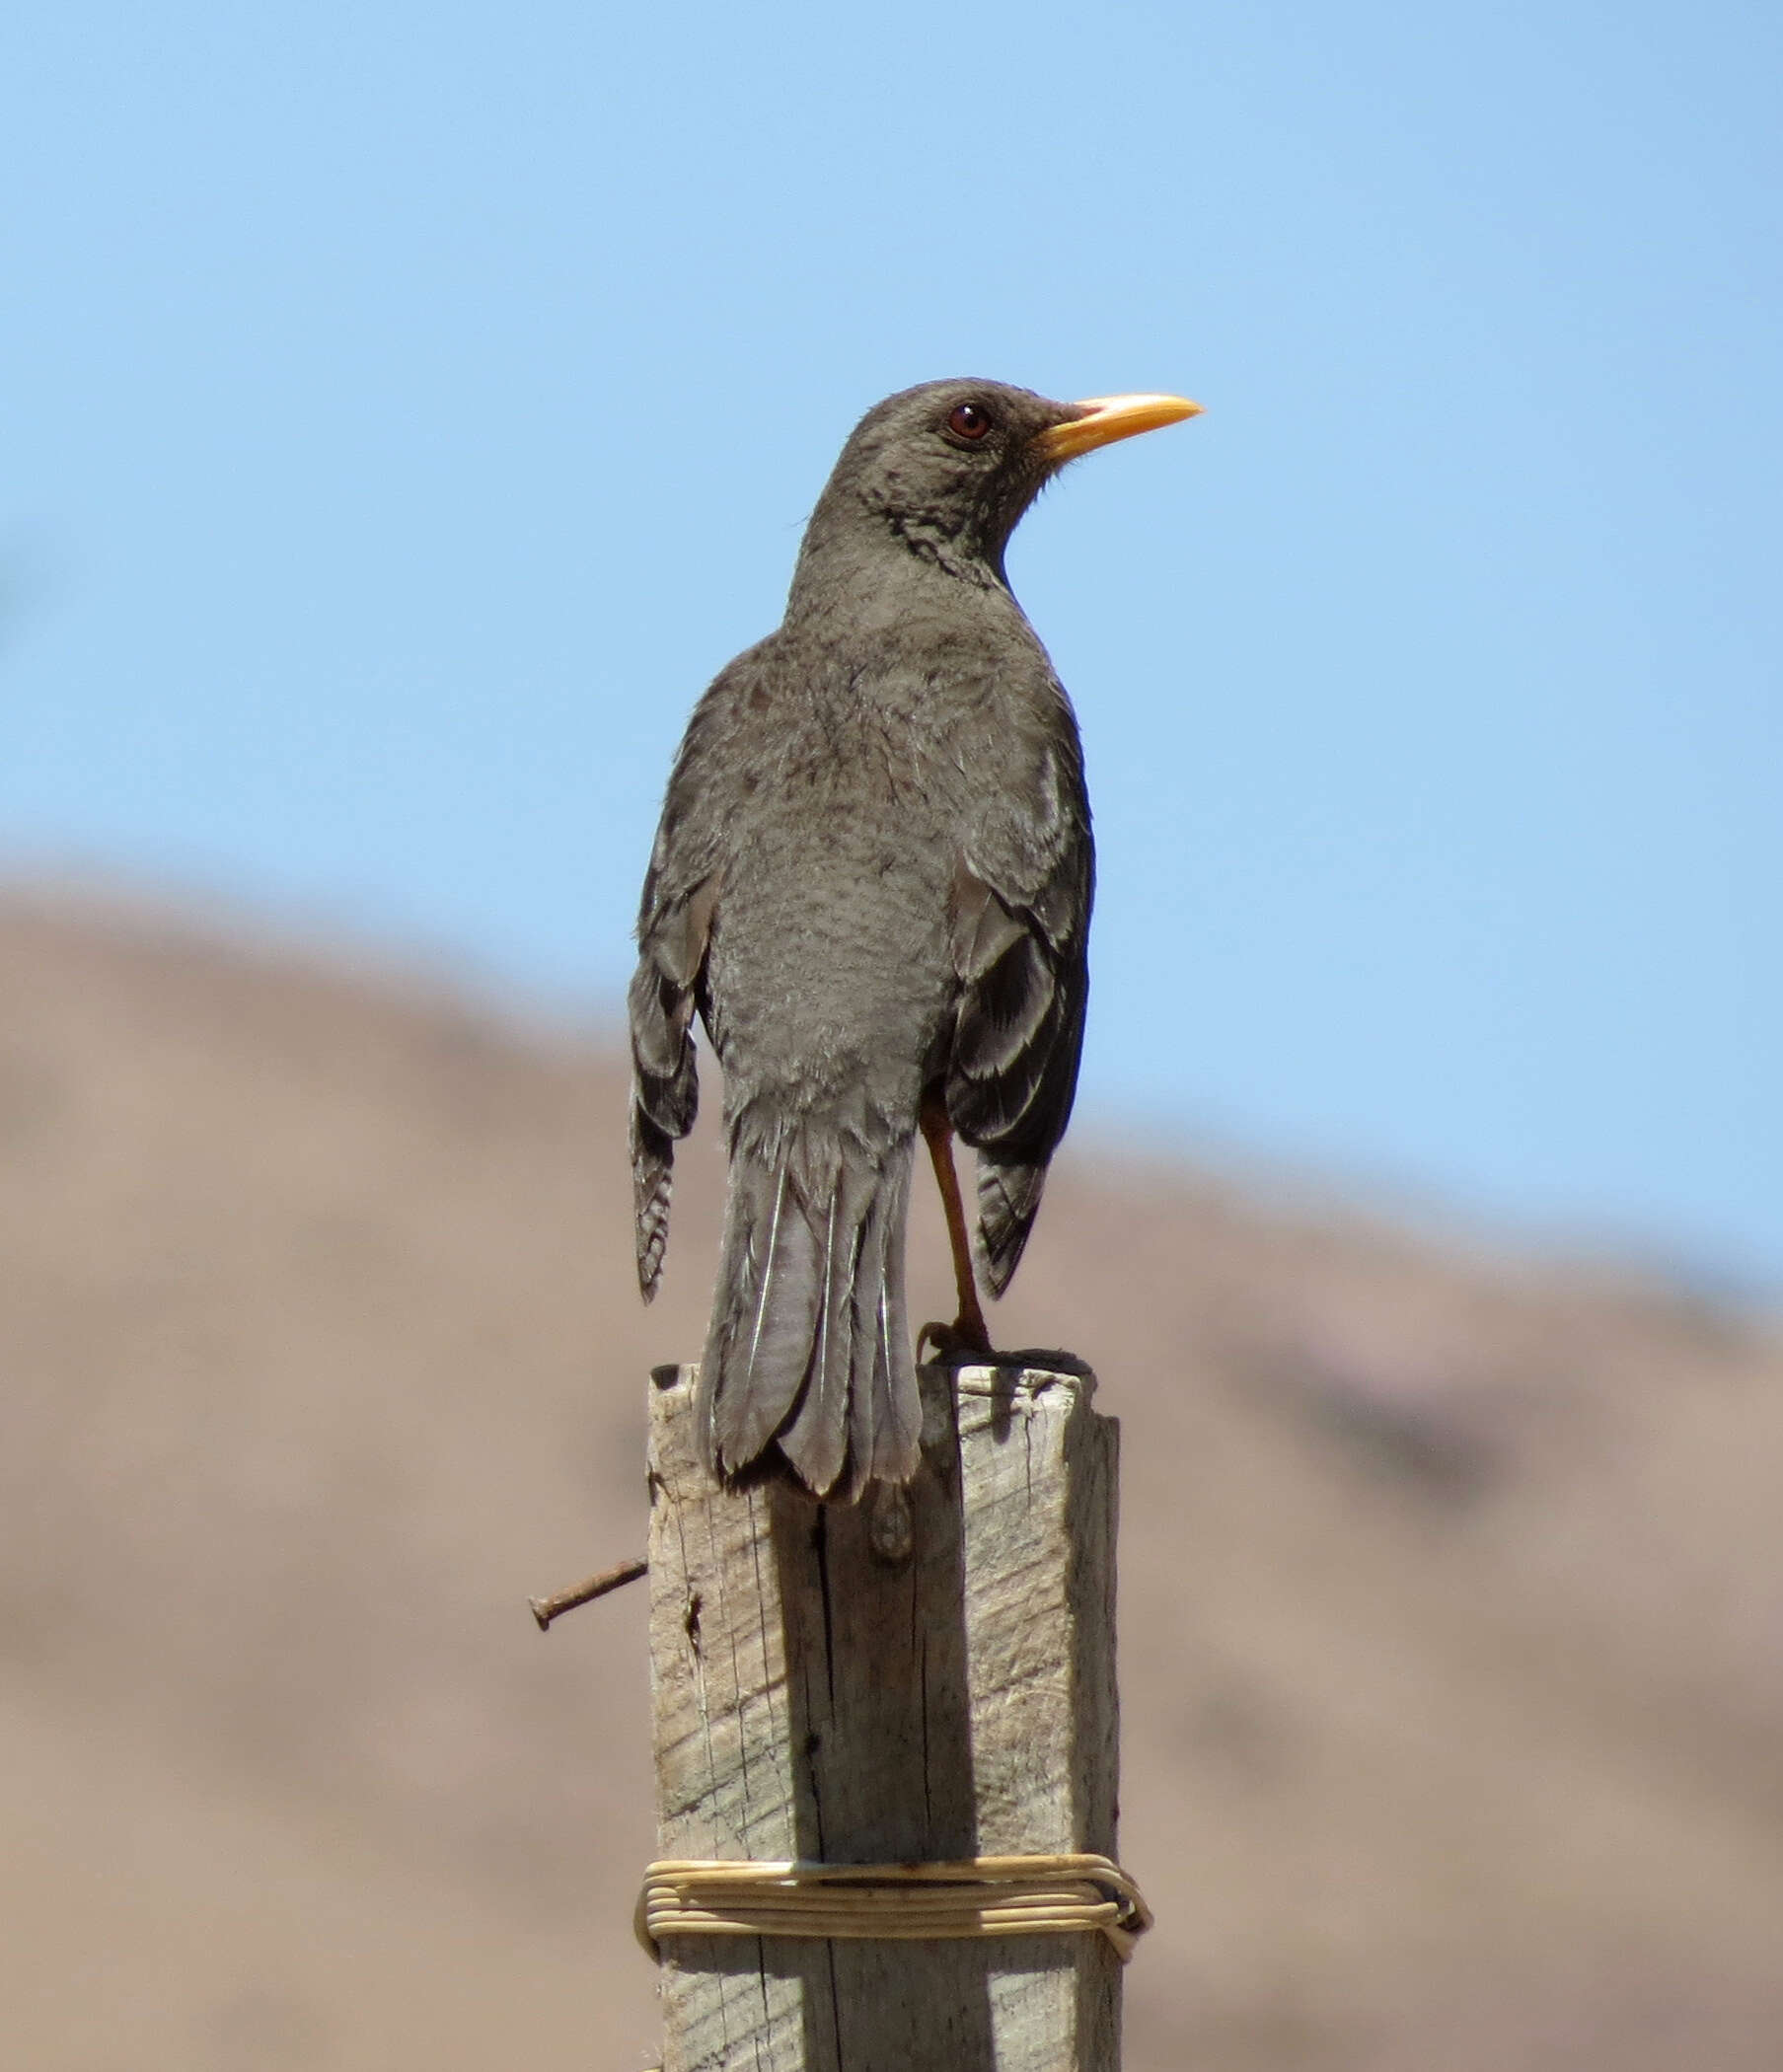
(967, 1334)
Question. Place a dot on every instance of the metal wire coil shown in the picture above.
(899, 1902)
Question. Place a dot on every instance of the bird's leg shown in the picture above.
(967, 1334)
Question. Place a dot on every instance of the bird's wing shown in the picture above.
(674, 929)
(1022, 903)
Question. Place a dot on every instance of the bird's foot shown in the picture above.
(963, 1343)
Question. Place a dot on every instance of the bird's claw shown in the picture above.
(954, 1344)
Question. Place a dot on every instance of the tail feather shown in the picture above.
(885, 1409)
(816, 1441)
(770, 1299)
(808, 1347)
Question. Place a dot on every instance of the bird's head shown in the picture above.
(947, 469)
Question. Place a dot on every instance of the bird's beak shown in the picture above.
(1106, 418)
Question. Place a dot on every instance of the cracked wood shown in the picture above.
(923, 1677)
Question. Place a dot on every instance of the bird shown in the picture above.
(871, 881)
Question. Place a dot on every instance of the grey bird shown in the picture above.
(873, 880)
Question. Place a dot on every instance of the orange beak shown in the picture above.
(1106, 418)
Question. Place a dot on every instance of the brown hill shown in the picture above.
(1452, 1671)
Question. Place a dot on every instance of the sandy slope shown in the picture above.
(1453, 1652)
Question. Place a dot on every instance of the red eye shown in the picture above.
(967, 421)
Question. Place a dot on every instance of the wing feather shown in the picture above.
(1020, 926)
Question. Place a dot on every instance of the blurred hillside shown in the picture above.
(1452, 1641)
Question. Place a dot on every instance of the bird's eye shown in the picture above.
(967, 421)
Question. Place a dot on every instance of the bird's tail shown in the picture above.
(810, 1349)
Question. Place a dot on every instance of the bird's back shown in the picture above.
(855, 770)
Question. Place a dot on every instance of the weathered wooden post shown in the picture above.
(924, 1681)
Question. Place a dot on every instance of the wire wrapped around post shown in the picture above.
(1069, 1895)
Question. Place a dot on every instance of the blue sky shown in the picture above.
(406, 409)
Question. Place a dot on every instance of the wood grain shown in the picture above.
(926, 1676)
